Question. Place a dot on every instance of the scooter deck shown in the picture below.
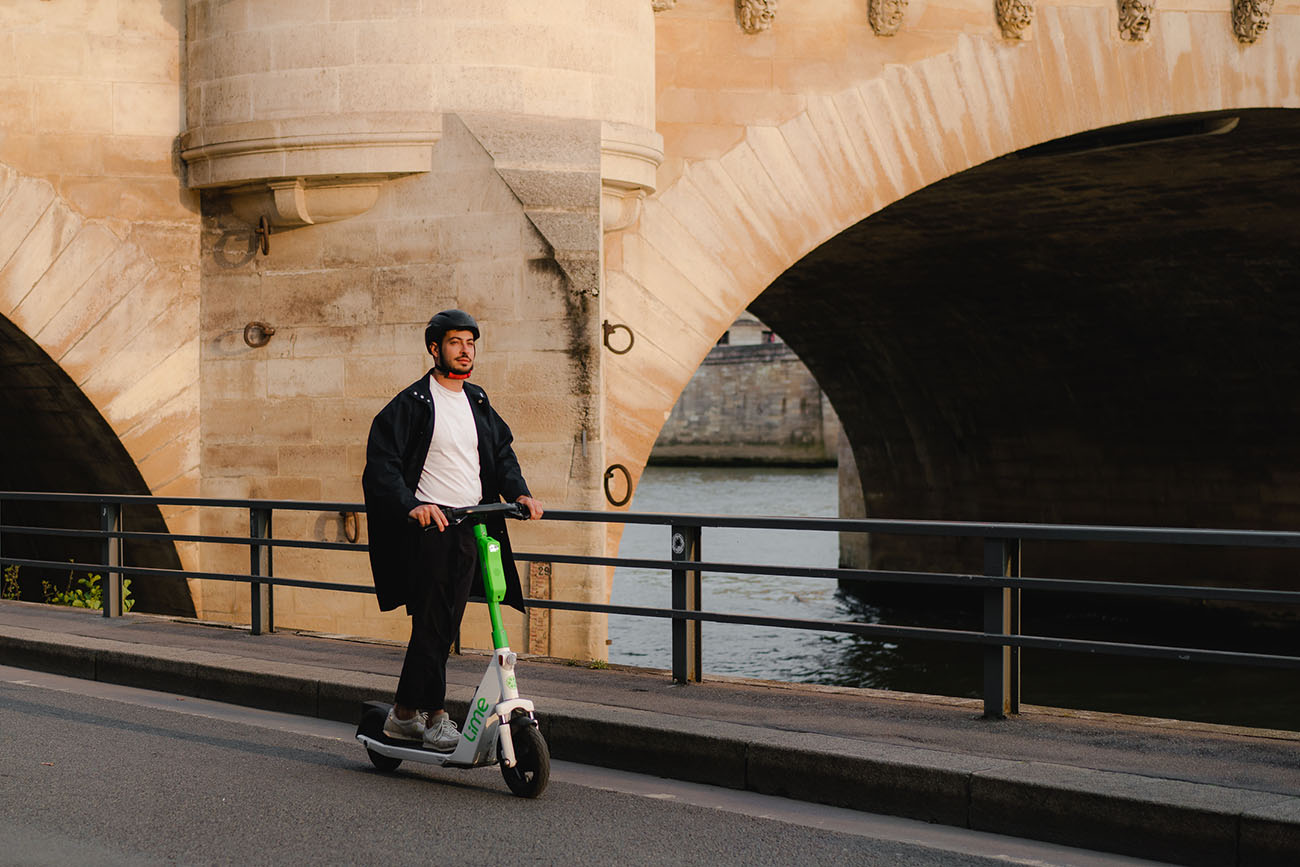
(409, 751)
(410, 744)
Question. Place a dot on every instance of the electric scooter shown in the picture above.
(500, 727)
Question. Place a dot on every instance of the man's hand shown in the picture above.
(426, 514)
(534, 507)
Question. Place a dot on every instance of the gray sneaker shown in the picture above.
(440, 734)
(406, 729)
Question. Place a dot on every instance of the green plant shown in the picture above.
(590, 663)
(87, 594)
(10, 589)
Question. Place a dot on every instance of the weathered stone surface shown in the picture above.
(955, 103)
(1196, 823)
(750, 404)
(1123, 427)
(773, 143)
(1269, 833)
(900, 781)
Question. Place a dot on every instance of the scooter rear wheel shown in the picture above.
(372, 726)
(532, 770)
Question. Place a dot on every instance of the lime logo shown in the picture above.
(510, 681)
(494, 547)
(476, 720)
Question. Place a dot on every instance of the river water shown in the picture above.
(749, 651)
(1211, 693)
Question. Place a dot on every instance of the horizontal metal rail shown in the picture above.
(203, 502)
(139, 535)
(930, 633)
(1001, 581)
(955, 579)
(1098, 586)
(955, 529)
(206, 576)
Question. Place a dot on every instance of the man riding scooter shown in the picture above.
(437, 444)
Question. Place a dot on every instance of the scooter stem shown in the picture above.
(494, 582)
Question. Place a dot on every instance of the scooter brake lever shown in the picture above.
(453, 516)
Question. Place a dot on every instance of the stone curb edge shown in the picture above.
(1168, 820)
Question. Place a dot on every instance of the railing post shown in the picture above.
(1001, 617)
(687, 654)
(262, 611)
(537, 624)
(110, 521)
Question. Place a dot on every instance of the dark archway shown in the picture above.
(54, 439)
(1099, 330)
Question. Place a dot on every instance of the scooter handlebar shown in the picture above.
(505, 510)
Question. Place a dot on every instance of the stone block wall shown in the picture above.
(590, 59)
(115, 115)
(349, 301)
(780, 136)
(777, 140)
(750, 404)
(477, 132)
(90, 97)
(98, 234)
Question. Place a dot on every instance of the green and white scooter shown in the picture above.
(500, 727)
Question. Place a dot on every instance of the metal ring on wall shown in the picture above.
(351, 526)
(609, 474)
(258, 334)
(263, 235)
(607, 329)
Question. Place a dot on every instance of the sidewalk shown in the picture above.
(1179, 792)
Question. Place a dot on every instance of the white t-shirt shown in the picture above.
(450, 475)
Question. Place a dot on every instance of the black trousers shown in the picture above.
(448, 567)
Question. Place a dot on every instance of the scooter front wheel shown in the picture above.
(532, 770)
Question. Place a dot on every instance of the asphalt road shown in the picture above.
(102, 774)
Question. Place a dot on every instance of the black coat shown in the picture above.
(395, 452)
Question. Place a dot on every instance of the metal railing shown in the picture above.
(1000, 581)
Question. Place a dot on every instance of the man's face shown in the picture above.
(456, 352)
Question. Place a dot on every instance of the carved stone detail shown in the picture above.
(662, 5)
(1014, 17)
(886, 16)
(1135, 19)
(293, 202)
(629, 158)
(1250, 19)
(755, 15)
(298, 179)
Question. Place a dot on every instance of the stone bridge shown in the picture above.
(1039, 256)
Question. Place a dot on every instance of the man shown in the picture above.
(438, 443)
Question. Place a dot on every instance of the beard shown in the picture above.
(459, 368)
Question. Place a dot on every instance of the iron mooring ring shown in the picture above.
(609, 474)
(607, 329)
(351, 526)
(258, 334)
(263, 235)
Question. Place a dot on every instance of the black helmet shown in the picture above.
(448, 320)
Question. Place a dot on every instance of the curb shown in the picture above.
(1164, 819)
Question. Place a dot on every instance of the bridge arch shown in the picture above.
(99, 366)
(739, 203)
